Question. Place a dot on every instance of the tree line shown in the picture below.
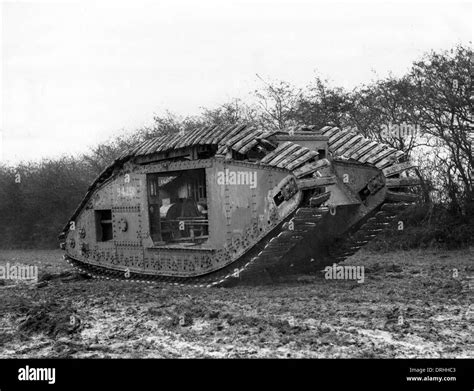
(426, 113)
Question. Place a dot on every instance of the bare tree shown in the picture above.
(230, 113)
(443, 98)
(277, 102)
(322, 105)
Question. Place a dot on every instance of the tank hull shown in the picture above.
(232, 217)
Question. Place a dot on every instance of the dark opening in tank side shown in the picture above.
(103, 223)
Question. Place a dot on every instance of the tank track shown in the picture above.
(304, 224)
(305, 221)
(376, 224)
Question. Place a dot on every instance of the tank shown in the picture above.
(220, 206)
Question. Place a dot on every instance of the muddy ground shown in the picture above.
(411, 304)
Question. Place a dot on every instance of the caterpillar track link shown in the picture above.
(221, 206)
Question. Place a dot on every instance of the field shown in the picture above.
(411, 304)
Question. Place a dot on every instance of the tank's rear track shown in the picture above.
(263, 262)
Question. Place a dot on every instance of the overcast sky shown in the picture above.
(76, 73)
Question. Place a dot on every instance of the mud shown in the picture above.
(411, 304)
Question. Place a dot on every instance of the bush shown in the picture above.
(37, 199)
(427, 226)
